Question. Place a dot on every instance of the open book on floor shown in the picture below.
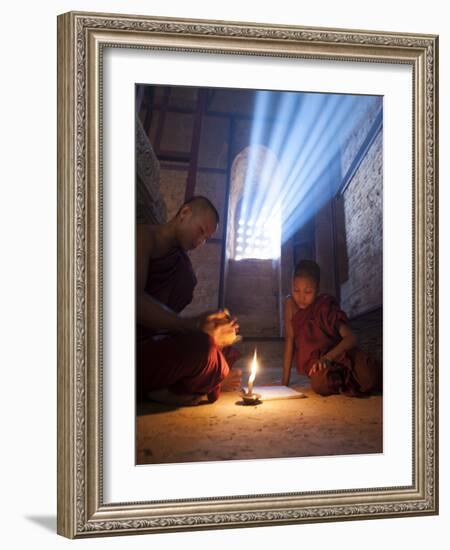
(269, 393)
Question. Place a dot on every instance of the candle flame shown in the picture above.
(253, 369)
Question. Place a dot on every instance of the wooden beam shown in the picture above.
(195, 144)
(161, 120)
(223, 256)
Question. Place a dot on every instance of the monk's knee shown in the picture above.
(326, 382)
(203, 367)
(320, 385)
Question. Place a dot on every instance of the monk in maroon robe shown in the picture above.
(179, 359)
(325, 348)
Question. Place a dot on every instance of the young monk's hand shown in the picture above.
(320, 365)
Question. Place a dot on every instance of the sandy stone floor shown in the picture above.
(226, 430)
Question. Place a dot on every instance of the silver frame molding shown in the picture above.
(81, 510)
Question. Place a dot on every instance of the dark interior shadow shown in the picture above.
(47, 522)
(152, 407)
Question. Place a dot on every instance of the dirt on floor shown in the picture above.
(227, 430)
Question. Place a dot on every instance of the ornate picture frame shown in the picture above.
(82, 38)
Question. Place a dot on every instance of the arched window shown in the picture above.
(257, 238)
(254, 216)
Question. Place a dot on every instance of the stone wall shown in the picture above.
(172, 188)
(206, 263)
(366, 114)
(253, 294)
(363, 202)
(368, 329)
(150, 205)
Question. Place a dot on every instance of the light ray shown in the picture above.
(302, 168)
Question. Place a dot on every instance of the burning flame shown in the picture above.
(252, 374)
(253, 369)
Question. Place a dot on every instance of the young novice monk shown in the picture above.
(317, 330)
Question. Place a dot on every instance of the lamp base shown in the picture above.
(251, 398)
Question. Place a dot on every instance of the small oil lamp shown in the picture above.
(248, 396)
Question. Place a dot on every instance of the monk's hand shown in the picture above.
(320, 365)
(220, 326)
(224, 332)
(207, 321)
(233, 381)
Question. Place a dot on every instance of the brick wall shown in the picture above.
(252, 294)
(206, 263)
(172, 188)
(366, 113)
(362, 291)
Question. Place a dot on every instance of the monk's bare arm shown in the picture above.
(349, 341)
(288, 340)
(149, 312)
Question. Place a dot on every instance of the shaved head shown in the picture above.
(195, 222)
(200, 204)
(309, 269)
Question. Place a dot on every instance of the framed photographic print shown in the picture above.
(247, 289)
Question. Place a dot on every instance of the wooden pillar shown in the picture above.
(195, 144)
(224, 257)
(325, 249)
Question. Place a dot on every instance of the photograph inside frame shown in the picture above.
(259, 274)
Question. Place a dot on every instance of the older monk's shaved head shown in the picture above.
(200, 204)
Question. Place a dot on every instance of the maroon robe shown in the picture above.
(170, 280)
(183, 363)
(186, 364)
(316, 331)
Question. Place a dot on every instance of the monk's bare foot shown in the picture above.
(232, 382)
